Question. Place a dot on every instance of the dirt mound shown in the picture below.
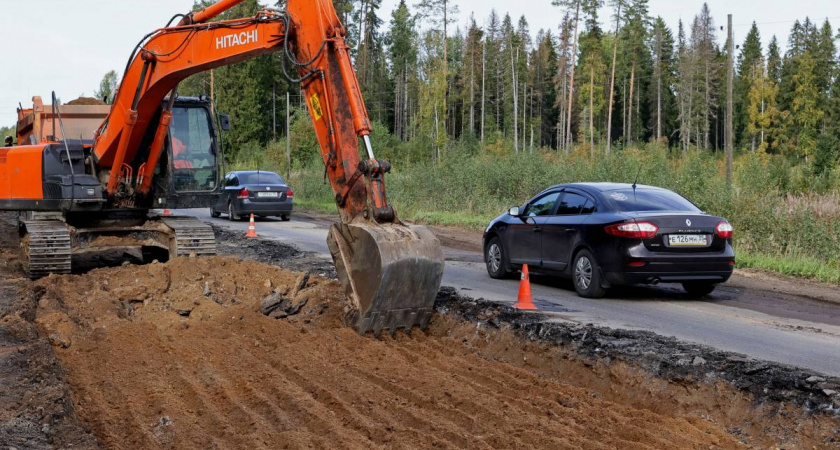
(36, 409)
(86, 101)
(179, 355)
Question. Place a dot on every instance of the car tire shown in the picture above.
(696, 289)
(495, 259)
(215, 214)
(285, 217)
(231, 215)
(586, 275)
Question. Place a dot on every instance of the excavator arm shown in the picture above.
(391, 272)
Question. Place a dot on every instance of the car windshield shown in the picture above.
(625, 200)
(260, 178)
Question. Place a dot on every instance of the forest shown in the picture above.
(479, 114)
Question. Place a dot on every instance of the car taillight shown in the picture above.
(244, 193)
(640, 230)
(290, 194)
(724, 229)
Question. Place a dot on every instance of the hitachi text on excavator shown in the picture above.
(79, 191)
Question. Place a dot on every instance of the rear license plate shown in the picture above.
(687, 240)
(268, 194)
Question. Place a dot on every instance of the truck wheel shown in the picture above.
(231, 215)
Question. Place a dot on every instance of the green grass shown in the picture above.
(315, 205)
(477, 222)
(796, 266)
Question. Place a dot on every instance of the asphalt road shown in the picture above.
(766, 325)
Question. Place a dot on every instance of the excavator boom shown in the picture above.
(391, 271)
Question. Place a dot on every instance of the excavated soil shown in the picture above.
(36, 408)
(179, 355)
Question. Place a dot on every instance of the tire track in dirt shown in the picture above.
(532, 404)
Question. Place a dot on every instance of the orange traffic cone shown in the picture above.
(252, 230)
(525, 300)
(166, 212)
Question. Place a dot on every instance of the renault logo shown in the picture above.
(688, 222)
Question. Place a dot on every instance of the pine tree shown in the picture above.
(750, 67)
(473, 62)
(774, 61)
(574, 5)
(825, 67)
(705, 55)
(638, 58)
(805, 114)
(685, 87)
(561, 79)
(402, 47)
(661, 90)
(617, 4)
(545, 62)
(592, 68)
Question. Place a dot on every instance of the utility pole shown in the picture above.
(274, 110)
(483, 70)
(288, 140)
(730, 48)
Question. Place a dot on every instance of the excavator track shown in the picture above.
(45, 248)
(192, 237)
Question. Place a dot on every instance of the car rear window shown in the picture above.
(260, 178)
(625, 200)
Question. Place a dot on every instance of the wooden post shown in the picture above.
(729, 81)
(274, 111)
(483, 70)
(288, 140)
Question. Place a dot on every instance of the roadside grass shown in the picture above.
(796, 266)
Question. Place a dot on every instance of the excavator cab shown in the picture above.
(190, 172)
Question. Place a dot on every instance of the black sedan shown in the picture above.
(254, 192)
(608, 234)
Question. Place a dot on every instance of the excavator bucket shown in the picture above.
(390, 272)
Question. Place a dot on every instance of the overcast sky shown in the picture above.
(67, 46)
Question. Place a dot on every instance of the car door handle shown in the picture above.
(537, 230)
(571, 230)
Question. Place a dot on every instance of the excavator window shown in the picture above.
(193, 150)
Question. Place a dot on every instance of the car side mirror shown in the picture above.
(224, 121)
(514, 211)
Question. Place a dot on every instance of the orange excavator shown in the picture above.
(82, 195)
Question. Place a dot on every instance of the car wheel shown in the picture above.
(231, 216)
(699, 288)
(494, 257)
(586, 275)
(285, 217)
(214, 214)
